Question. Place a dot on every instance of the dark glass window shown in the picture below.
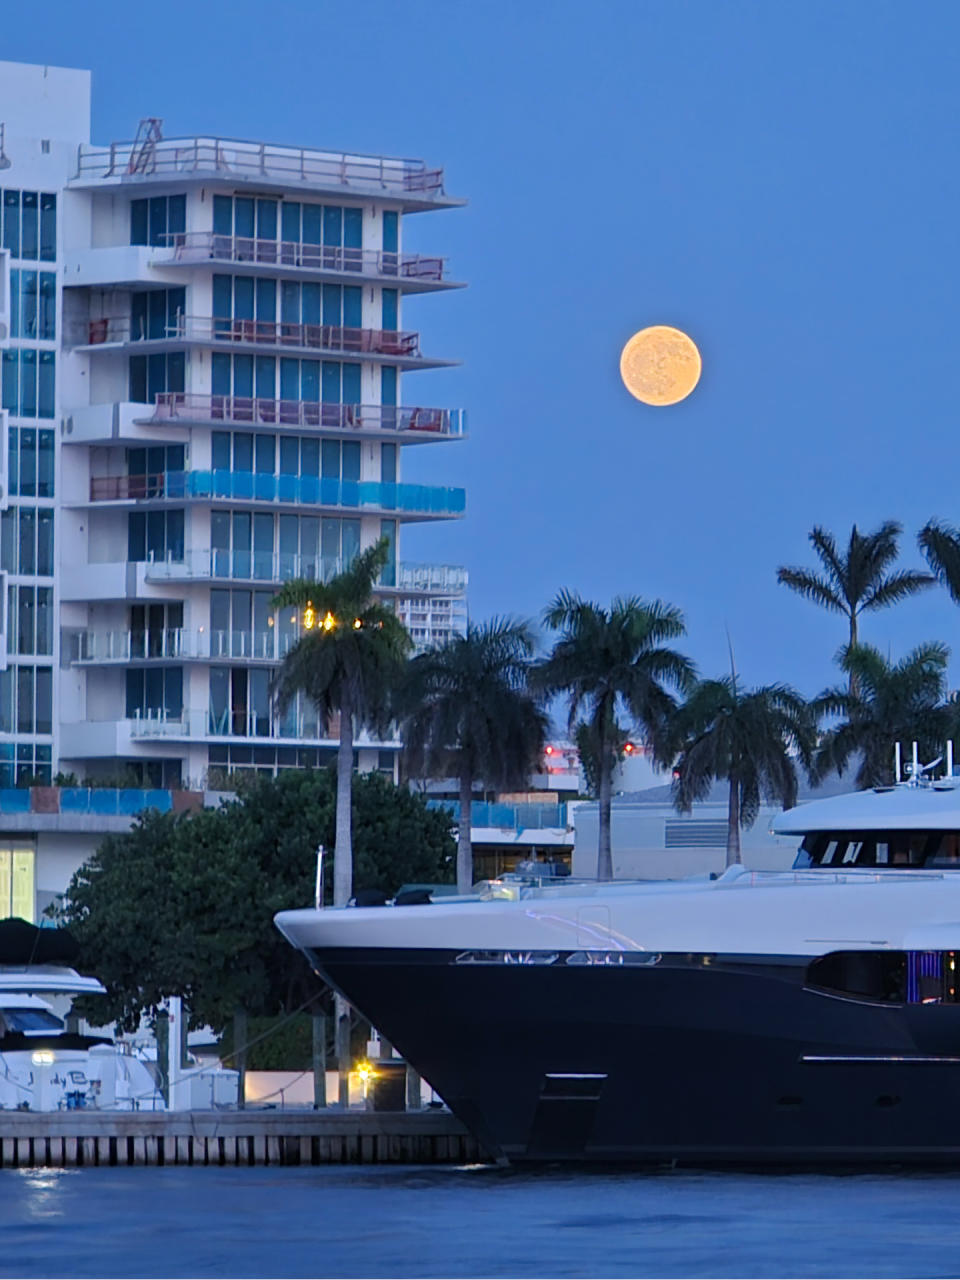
(48, 227)
(30, 225)
(391, 231)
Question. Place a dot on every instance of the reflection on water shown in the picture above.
(473, 1221)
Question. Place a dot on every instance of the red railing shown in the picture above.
(121, 488)
(171, 405)
(199, 246)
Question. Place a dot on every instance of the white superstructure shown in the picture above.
(202, 359)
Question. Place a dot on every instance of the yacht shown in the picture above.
(810, 1015)
(44, 1066)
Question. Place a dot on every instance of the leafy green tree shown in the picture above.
(467, 713)
(347, 662)
(183, 904)
(751, 739)
(903, 702)
(610, 661)
(855, 581)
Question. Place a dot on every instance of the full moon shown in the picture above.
(660, 365)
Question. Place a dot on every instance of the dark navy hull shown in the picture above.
(692, 1059)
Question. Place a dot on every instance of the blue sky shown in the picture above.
(777, 177)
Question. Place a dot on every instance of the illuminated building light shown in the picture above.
(329, 622)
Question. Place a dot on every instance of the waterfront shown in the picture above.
(473, 1221)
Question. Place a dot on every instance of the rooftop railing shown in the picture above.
(112, 330)
(204, 246)
(277, 567)
(298, 490)
(169, 158)
(193, 407)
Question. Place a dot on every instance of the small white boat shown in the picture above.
(46, 1067)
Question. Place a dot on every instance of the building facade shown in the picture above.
(203, 389)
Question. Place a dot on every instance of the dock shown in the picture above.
(87, 1138)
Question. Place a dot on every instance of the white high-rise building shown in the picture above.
(201, 359)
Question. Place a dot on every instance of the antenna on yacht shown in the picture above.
(318, 887)
(896, 761)
(949, 772)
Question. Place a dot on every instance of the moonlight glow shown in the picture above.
(660, 365)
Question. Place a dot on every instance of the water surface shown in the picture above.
(472, 1222)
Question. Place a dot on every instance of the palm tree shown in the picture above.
(751, 739)
(467, 713)
(940, 544)
(610, 661)
(349, 657)
(856, 580)
(892, 702)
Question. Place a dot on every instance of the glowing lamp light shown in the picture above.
(628, 748)
(309, 617)
(548, 751)
(329, 622)
(357, 624)
(42, 1057)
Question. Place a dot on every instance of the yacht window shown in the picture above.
(830, 852)
(28, 1020)
(863, 975)
(853, 852)
(883, 853)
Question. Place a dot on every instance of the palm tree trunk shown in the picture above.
(733, 824)
(343, 850)
(854, 641)
(604, 854)
(464, 842)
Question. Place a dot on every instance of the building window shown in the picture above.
(31, 462)
(390, 309)
(26, 541)
(154, 693)
(28, 383)
(154, 374)
(33, 305)
(155, 535)
(159, 220)
(157, 313)
(26, 700)
(30, 620)
(17, 868)
(30, 224)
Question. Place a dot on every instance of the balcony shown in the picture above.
(413, 424)
(172, 162)
(400, 347)
(297, 728)
(134, 648)
(413, 272)
(515, 817)
(418, 501)
(275, 568)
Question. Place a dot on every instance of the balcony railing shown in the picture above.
(170, 158)
(276, 567)
(510, 816)
(206, 246)
(247, 486)
(189, 406)
(401, 344)
(298, 726)
(179, 644)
